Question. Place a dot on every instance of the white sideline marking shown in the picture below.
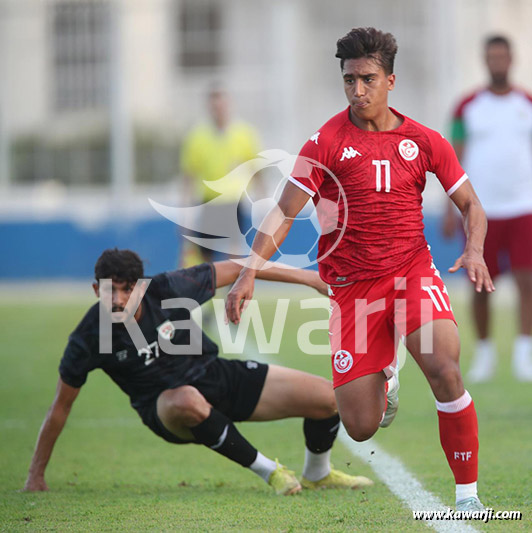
(401, 482)
(390, 470)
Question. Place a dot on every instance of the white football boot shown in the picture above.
(392, 399)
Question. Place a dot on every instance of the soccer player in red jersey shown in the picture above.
(383, 283)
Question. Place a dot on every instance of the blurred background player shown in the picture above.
(211, 151)
(492, 136)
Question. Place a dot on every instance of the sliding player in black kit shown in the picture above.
(196, 397)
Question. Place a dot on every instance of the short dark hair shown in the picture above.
(368, 42)
(497, 39)
(119, 265)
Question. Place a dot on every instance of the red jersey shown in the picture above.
(382, 174)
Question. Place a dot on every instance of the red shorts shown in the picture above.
(369, 317)
(508, 244)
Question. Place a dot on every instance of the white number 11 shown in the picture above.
(378, 177)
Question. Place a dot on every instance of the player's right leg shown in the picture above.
(484, 360)
(361, 405)
(363, 341)
(184, 415)
(522, 351)
(484, 357)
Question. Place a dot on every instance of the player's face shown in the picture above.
(366, 86)
(219, 108)
(121, 294)
(498, 61)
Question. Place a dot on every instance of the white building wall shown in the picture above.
(280, 63)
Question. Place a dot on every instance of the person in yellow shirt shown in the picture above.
(211, 152)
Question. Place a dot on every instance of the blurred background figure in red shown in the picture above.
(492, 136)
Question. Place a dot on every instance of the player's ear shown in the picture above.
(391, 82)
(96, 289)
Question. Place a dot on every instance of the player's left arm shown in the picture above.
(228, 271)
(475, 225)
(445, 164)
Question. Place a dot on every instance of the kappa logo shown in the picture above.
(349, 152)
(252, 365)
(343, 361)
(314, 138)
(408, 149)
(166, 330)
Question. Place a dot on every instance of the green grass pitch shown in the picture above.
(110, 473)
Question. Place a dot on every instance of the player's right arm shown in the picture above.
(271, 234)
(50, 430)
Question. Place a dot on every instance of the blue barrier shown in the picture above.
(63, 249)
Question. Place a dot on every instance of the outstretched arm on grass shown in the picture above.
(50, 430)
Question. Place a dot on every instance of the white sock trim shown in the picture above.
(456, 405)
(467, 490)
(263, 467)
(317, 465)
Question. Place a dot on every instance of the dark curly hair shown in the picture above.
(368, 42)
(497, 39)
(119, 265)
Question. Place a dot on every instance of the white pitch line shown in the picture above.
(389, 469)
(401, 482)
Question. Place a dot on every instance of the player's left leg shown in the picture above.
(522, 352)
(291, 393)
(436, 348)
(518, 237)
(184, 415)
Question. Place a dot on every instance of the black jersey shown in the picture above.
(144, 373)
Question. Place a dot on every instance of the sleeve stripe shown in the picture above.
(301, 186)
(455, 187)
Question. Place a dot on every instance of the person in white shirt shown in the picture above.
(492, 136)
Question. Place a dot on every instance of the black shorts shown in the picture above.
(231, 386)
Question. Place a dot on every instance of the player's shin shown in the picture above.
(319, 438)
(220, 434)
(459, 440)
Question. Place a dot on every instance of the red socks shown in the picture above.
(459, 437)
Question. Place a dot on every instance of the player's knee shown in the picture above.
(361, 430)
(189, 405)
(447, 378)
